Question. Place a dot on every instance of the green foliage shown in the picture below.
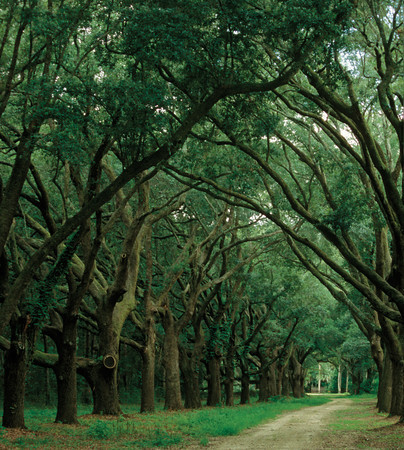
(100, 430)
(161, 438)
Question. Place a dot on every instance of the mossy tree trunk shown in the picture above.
(385, 389)
(16, 364)
(66, 373)
(189, 366)
(245, 385)
(171, 364)
(214, 379)
(148, 368)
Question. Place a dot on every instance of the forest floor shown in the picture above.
(341, 424)
(315, 422)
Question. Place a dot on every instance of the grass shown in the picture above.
(360, 426)
(134, 430)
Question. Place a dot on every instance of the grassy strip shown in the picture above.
(162, 429)
(360, 426)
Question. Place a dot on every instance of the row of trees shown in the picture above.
(154, 155)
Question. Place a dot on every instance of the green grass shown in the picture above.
(361, 426)
(161, 429)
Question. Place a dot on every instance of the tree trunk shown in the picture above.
(171, 364)
(297, 377)
(190, 375)
(66, 375)
(286, 383)
(245, 385)
(229, 380)
(397, 391)
(148, 369)
(384, 393)
(110, 317)
(272, 380)
(16, 365)
(263, 386)
(105, 390)
(339, 379)
(279, 378)
(214, 384)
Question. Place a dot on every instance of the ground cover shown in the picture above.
(134, 430)
(359, 425)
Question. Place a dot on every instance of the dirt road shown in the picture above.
(301, 429)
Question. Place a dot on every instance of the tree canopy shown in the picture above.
(214, 186)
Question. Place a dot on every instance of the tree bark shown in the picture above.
(385, 390)
(148, 369)
(66, 373)
(245, 384)
(297, 377)
(16, 365)
(286, 383)
(396, 408)
(229, 384)
(171, 364)
(105, 390)
(214, 381)
(263, 386)
(189, 365)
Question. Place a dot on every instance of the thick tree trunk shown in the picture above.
(66, 375)
(272, 380)
(214, 381)
(297, 377)
(263, 386)
(148, 369)
(105, 390)
(15, 372)
(190, 375)
(171, 364)
(229, 379)
(398, 389)
(16, 365)
(229, 386)
(385, 390)
(279, 378)
(245, 385)
(105, 373)
(286, 383)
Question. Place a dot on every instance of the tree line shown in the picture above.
(172, 173)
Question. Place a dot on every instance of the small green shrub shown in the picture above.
(161, 438)
(100, 430)
(204, 441)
